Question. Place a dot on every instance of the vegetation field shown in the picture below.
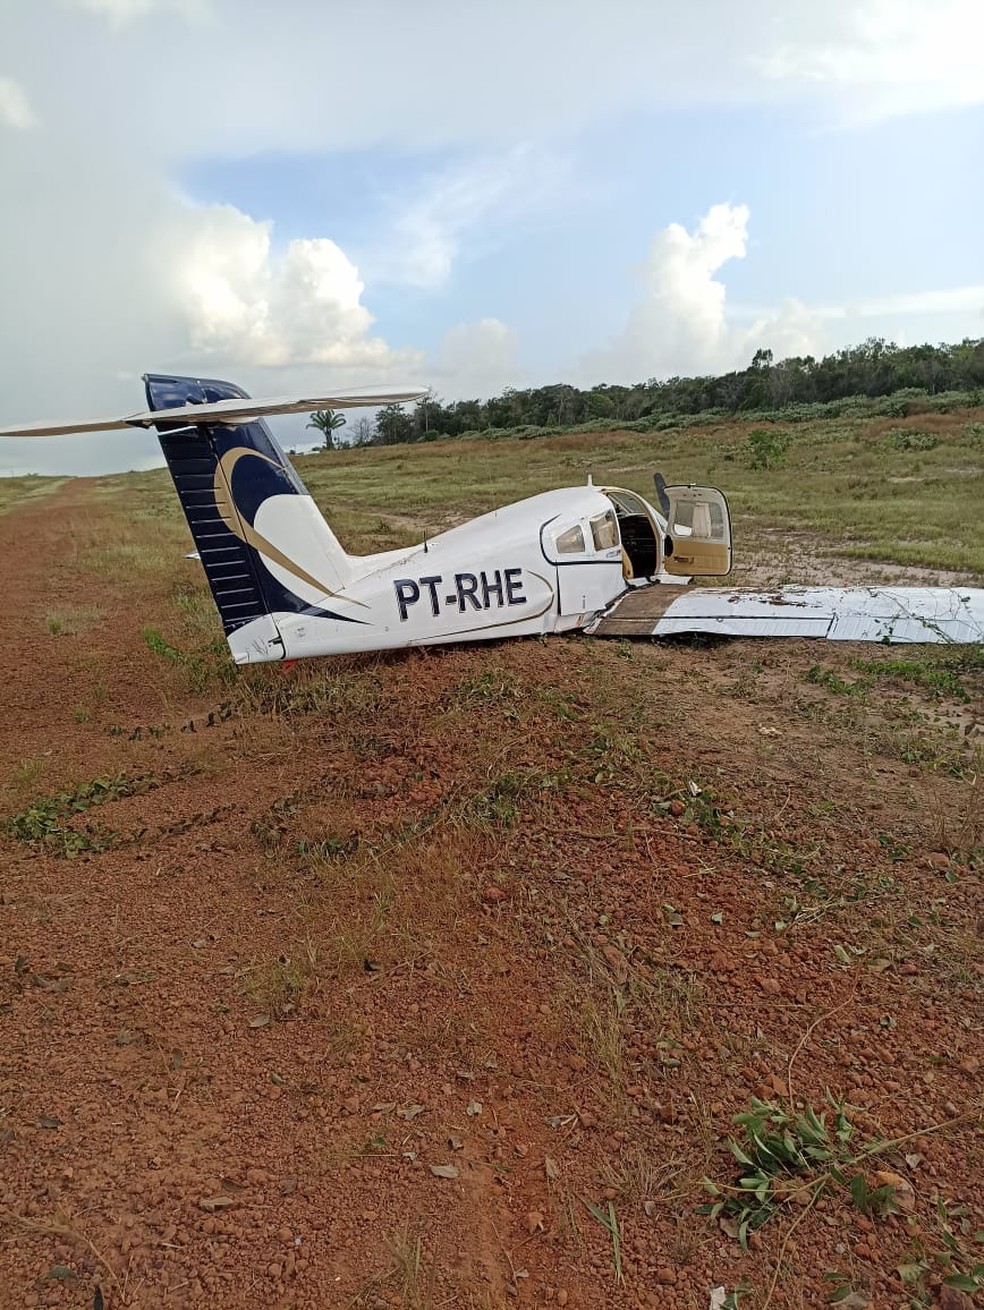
(14, 491)
(906, 491)
(550, 973)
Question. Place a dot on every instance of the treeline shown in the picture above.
(875, 368)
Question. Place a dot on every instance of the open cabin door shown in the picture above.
(700, 529)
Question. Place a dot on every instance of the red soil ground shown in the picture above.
(461, 908)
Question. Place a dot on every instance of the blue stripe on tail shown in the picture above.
(242, 587)
(228, 562)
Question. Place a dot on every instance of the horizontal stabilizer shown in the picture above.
(228, 413)
(883, 614)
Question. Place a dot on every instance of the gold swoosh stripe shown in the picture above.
(236, 522)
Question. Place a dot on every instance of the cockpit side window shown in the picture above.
(604, 530)
(571, 541)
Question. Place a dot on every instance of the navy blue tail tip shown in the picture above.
(221, 504)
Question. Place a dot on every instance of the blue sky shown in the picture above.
(474, 196)
(835, 215)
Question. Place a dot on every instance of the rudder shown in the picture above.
(224, 476)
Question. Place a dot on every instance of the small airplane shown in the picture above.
(597, 559)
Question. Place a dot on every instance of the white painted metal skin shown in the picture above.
(883, 614)
(489, 578)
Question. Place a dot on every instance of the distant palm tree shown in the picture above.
(327, 422)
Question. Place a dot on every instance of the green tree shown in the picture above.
(393, 425)
(327, 421)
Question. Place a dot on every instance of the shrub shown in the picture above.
(767, 448)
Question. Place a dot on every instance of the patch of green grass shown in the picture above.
(347, 693)
(906, 439)
(834, 682)
(767, 448)
(494, 686)
(196, 610)
(142, 557)
(209, 664)
(15, 492)
(28, 772)
(497, 805)
(931, 749)
(617, 757)
(160, 646)
(71, 620)
(327, 848)
(718, 816)
(939, 671)
(46, 820)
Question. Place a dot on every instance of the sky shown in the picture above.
(324, 193)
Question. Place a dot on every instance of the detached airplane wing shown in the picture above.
(228, 413)
(884, 614)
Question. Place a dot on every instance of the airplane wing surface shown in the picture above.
(229, 412)
(883, 614)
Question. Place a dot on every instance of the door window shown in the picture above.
(698, 519)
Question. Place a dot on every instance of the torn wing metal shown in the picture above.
(884, 614)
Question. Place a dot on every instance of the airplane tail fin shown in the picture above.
(265, 547)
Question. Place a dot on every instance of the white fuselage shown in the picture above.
(545, 564)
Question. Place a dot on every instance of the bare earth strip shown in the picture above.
(541, 916)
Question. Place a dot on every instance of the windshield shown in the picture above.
(626, 503)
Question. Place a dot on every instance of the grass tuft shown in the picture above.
(46, 820)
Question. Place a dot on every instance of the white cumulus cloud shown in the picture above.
(247, 304)
(137, 279)
(15, 108)
(880, 58)
(683, 308)
(680, 324)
